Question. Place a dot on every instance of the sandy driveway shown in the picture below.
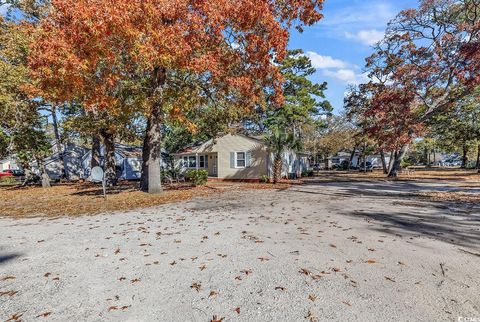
(330, 251)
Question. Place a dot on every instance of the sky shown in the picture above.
(340, 42)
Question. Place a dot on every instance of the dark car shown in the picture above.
(365, 166)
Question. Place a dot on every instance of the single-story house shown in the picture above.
(9, 163)
(128, 160)
(72, 163)
(238, 157)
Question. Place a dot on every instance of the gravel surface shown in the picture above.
(329, 251)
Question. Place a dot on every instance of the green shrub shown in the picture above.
(197, 177)
(264, 178)
(8, 180)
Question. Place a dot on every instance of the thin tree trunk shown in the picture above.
(364, 153)
(384, 162)
(96, 153)
(151, 169)
(390, 162)
(110, 172)
(398, 161)
(464, 156)
(352, 155)
(58, 143)
(277, 167)
(477, 166)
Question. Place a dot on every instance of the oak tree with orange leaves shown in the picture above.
(86, 50)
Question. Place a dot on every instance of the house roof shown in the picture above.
(202, 147)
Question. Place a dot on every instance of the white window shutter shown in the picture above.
(232, 160)
(248, 159)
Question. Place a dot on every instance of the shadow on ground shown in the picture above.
(405, 212)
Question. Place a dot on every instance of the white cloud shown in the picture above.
(325, 62)
(368, 37)
(347, 76)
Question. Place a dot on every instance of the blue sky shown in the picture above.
(339, 44)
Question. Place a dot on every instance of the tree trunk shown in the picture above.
(464, 156)
(398, 161)
(151, 181)
(384, 162)
(390, 162)
(44, 175)
(364, 153)
(58, 143)
(477, 166)
(277, 167)
(96, 153)
(110, 172)
(352, 155)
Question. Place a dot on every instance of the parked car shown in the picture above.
(367, 166)
(6, 173)
(10, 173)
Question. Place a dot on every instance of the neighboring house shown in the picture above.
(342, 156)
(72, 162)
(237, 157)
(9, 163)
(128, 160)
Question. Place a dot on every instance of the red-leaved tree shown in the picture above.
(88, 50)
(423, 66)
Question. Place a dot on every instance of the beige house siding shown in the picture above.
(238, 143)
(222, 148)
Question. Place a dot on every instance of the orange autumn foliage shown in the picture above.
(88, 49)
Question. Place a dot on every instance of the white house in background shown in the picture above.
(72, 162)
(336, 161)
(128, 160)
(9, 163)
(238, 157)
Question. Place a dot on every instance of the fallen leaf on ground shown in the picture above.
(136, 280)
(215, 319)
(212, 293)
(8, 278)
(312, 297)
(304, 271)
(44, 314)
(196, 286)
(311, 317)
(8, 293)
(237, 310)
(15, 317)
(112, 308)
(389, 279)
(370, 261)
(346, 303)
(202, 267)
(281, 288)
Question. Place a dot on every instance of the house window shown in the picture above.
(240, 159)
(192, 162)
(185, 162)
(203, 161)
